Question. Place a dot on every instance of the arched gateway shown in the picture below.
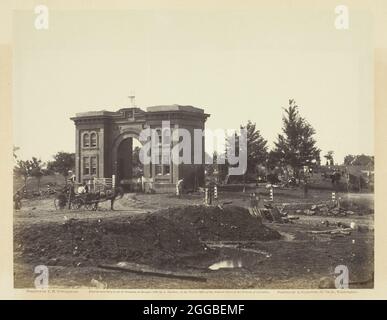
(104, 142)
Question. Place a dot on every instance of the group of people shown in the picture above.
(83, 188)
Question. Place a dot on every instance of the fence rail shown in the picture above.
(101, 184)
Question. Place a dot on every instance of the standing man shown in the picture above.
(179, 187)
(72, 177)
(72, 180)
(306, 187)
(17, 200)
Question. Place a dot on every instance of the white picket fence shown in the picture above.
(102, 184)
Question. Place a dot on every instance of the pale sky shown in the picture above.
(237, 66)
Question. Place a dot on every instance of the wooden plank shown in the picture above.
(147, 271)
(346, 231)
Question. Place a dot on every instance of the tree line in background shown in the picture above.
(294, 148)
(35, 168)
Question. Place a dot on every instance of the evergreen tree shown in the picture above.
(295, 146)
(256, 149)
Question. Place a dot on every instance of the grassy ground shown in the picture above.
(32, 183)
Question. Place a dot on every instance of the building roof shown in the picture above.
(174, 107)
(152, 109)
(95, 113)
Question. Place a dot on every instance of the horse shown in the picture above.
(62, 197)
(112, 195)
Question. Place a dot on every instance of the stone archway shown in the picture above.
(100, 158)
(122, 155)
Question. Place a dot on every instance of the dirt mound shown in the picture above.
(149, 239)
(231, 223)
(166, 238)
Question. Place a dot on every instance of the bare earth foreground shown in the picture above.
(176, 243)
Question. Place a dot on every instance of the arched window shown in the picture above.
(86, 140)
(93, 139)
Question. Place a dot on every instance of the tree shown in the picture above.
(29, 168)
(63, 162)
(221, 164)
(348, 159)
(15, 148)
(256, 149)
(329, 157)
(296, 146)
(215, 168)
(23, 169)
(359, 160)
(37, 170)
(210, 163)
(137, 167)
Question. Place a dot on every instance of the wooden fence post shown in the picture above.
(113, 181)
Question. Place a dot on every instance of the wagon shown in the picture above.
(88, 201)
(103, 190)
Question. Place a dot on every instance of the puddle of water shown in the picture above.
(236, 256)
(226, 264)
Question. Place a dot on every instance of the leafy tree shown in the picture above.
(348, 159)
(295, 146)
(329, 157)
(211, 167)
(137, 167)
(220, 161)
(63, 162)
(216, 167)
(29, 168)
(23, 169)
(359, 160)
(230, 146)
(256, 149)
(37, 170)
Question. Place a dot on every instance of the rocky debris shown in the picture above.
(325, 223)
(342, 207)
(273, 214)
(277, 215)
(324, 209)
(309, 212)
